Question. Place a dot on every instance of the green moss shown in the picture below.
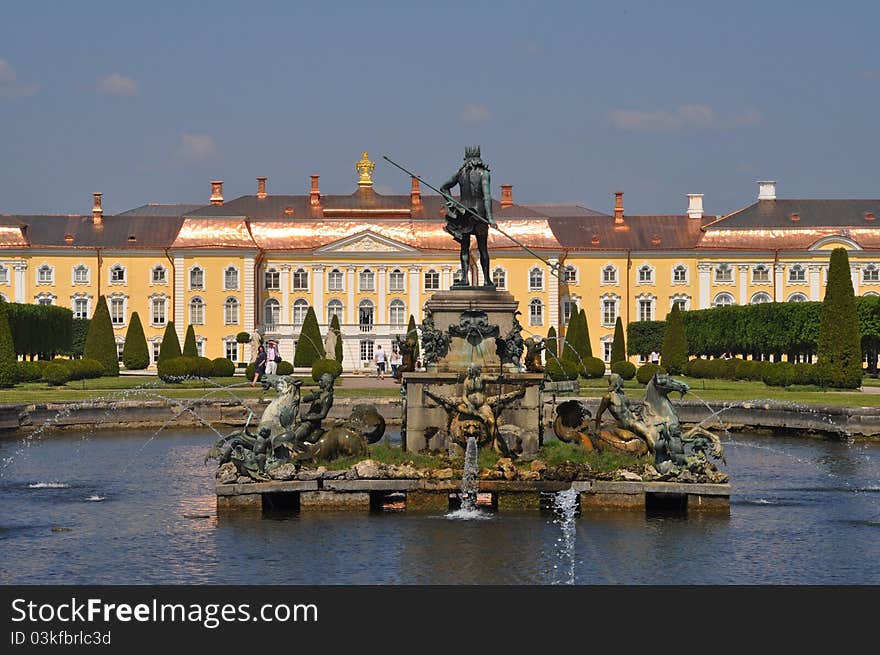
(555, 452)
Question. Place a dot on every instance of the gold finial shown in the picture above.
(365, 170)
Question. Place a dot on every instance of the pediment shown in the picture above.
(366, 242)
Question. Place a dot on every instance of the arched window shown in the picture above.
(335, 308)
(81, 307)
(196, 277)
(272, 279)
(536, 279)
(610, 303)
(499, 278)
(366, 313)
(230, 278)
(117, 309)
(646, 308)
(761, 273)
(871, 273)
(397, 314)
(760, 298)
(197, 311)
(81, 274)
(681, 301)
(230, 311)
(335, 280)
(300, 307)
(609, 274)
(4, 274)
(396, 280)
(536, 312)
(797, 297)
(568, 308)
(723, 300)
(570, 275)
(157, 310)
(272, 313)
(300, 280)
(724, 273)
(680, 274)
(157, 275)
(45, 274)
(432, 280)
(46, 299)
(797, 273)
(117, 274)
(367, 280)
(646, 274)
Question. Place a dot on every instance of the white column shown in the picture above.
(318, 293)
(180, 318)
(705, 278)
(20, 281)
(349, 285)
(815, 281)
(381, 286)
(553, 298)
(284, 279)
(743, 283)
(415, 307)
(446, 277)
(778, 279)
(854, 274)
(249, 286)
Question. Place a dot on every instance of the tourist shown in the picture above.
(379, 357)
(272, 358)
(655, 357)
(259, 365)
(396, 361)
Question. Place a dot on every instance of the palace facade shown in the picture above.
(258, 262)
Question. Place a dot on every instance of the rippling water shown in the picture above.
(76, 510)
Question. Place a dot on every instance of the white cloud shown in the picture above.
(195, 148)
(117, 85)
(474, 114)
(10, 87)
(684, 117)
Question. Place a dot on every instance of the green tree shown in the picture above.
(8, 365)
(577, 337)
(674, 352)
(309, 346)
(413, 334)
(100, 342)
(190, 349)
(618, 347)
(839, 350)
(170, 348)
(551, 344)
(334, 325)
(135, 355)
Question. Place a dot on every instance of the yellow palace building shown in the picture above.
(258, 262)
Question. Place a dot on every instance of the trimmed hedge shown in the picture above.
(222, 368)
(338, 353)
(40, 330)
(243, 337)
(646, 372)
(135, 355)
(618, 347)
(284, 368)
(100, 341)
(309, 346)
(625, 369)
(170, 348)
(839, 350)
(56, 373)
(322, 366)
(29, 371)
(593, 368)
(559, 369)
(779, 374)
(190, 349)
(8, 368)
(674, 352)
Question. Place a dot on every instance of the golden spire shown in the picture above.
(365, 170)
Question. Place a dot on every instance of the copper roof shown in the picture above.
(638, 232)
(213, 233)
(785, 239)
(78, 231)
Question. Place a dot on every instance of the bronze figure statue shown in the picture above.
(510, 347)
(476, 196)
(435, 344)
(534, 347)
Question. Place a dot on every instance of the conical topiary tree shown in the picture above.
(551, 345)
(100, 342)
(309, 346)
(618, 347)
(839, 349)
(413, 334)
(674, 352)
(135, 355)
(577, 336)
(8, 367)
(170, 348)
(334, 325)
(189, 343)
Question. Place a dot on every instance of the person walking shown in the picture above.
(259, 365)
(655, 357)
(379, 356)
(272, 358)
(396, 360)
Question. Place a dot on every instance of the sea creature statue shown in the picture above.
(473, 326)
(350, 437)
(475, 414)
(406, 347)
(435, 344)
(510, 347)
(534, 346)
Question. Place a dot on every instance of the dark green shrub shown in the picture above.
(190, 348)
(79, 332)
(8, 363)
(338, 354)
(175, 369)
(309, 346)
(577, 337)
(222, 368)
(170, 348)
(779, 374)
(56, 373)
(626, 370)
(249, 371)
(202, 367)
(551, 346)
(28, 371)
(674, 353)
(284, 368)
(243, 337)
(40, 330)
(804, 374)
(646, 372)
(618, 347)
(840, 348)
(645, 337)
(135, 355)
(85, 369)
(593, 368)
(322, 366)
(100, 342)
(560, 369)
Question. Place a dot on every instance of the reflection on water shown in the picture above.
(803, 511)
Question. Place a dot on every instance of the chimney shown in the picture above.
(261, 187)
(695, 205)
(97, 210)
(314, 192)
(767, 190)
(506, 196)
(216, 192)
(618, 208)
(415, 193)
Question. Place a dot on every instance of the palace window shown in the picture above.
(724, 273)
(609, 311)
(230, 311)
(230, 278)
(335, 308)
(300, 308)
(646, 309)
(609, 274)
(300, 280)
(432, 280)
(568, 308)
(197, 278)
(117, 274)
(456, 276)
(272, 313)
(397, 314)
(120, 346)
(272, 279)
(570, 275)
(499, 278)
(646, 274)
(760, 298)
(723, 300)
(536, 312)
(871, 273)
(117, 311)
(761, 273)
(367, 280)
(4, 275)
(230, 349)
(45, 274)
(366, 313)
(80, 307)
(197, 311)
(366, 351)
(680, 274)
(157, 275)
(396, 281)
(607, 347)
(81, 274)
(335, 280)
(45, 299)
(157, 311)
(681, 302)
(156, 347)
(536, 279)
(797, 273)
(200, 347)
(797, 297)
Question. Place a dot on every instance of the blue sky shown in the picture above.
(147, 102)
